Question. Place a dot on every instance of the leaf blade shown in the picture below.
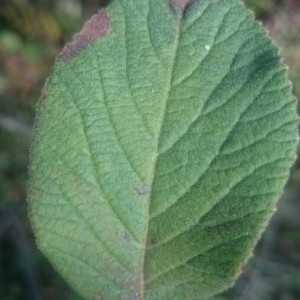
(159, 147)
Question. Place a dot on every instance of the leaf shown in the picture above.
(164, 137)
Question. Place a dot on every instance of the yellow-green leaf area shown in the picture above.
(164, 137)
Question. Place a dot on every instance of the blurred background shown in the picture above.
(32, 32)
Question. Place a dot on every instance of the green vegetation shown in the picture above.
(25, 61)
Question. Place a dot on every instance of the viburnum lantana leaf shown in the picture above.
(164, 136)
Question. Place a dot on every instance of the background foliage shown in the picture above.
(32, 32)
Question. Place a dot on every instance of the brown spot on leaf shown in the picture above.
(181, 5)
(142, 191)
(151, 243)
(44, 93)
(126, 236)
(95, 28)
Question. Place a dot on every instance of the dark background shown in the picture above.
(32, 32)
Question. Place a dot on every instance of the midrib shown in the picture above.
(156, 155)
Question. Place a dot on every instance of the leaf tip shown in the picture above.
(181, 5)
(97, 27)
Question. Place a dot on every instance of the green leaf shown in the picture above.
(164, 137)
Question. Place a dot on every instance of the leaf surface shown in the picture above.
(163, 139)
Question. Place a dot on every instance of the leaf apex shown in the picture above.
(181, 5)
